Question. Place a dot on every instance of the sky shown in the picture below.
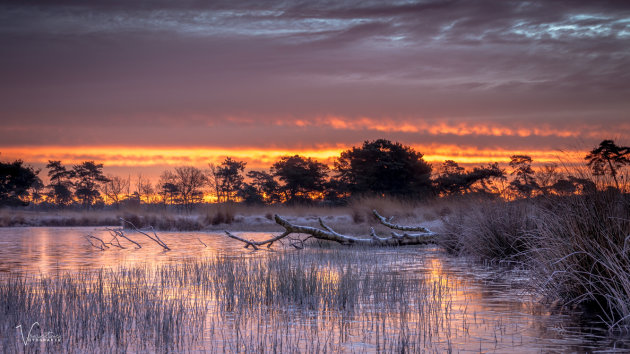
(147, 85)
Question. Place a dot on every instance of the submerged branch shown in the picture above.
(102, 246)
(115, 238)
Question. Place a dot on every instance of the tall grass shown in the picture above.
(287, 302)
(489, 229)
(582, 253)
(577, 247)
(105, 310)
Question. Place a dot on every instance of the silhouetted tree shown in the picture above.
(144, 189)
(454, 179)
(190, 182)
(301, 177)
(36, 190)
(59, 189)
(487, 178)
(250, 195)
(229, 178)
(450, 167)
(608, 158)
(114, 189)
(571, 185)
(15, 182)
(524, 182)
(547, 177)
(263, 187)
(88, 176)
(382, 167)
(213, 180)
(167, 188)
(336, 192)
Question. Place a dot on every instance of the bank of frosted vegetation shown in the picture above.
(577, 247)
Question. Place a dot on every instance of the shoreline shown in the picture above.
(351, 220)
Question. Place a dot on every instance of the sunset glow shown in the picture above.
(256, 158)
(152, 160)
(145, 88)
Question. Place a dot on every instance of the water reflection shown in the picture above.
(44, 250)
(421, 295)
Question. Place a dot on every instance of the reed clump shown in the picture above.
(102, 310)
(489, 229)
(577, 247)
(581, 253)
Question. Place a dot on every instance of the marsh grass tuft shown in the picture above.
(489, 230)
(582, 253)
(577, 247)
(105, 310)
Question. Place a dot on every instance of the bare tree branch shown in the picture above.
(102, 246)
(121, 233)
(115, 238)
(156, 239)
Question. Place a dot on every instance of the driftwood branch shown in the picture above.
(327, 233)
(388, 223)
(156, 239)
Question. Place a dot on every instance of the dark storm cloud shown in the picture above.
(172, 70)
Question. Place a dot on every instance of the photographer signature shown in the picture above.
(43, 337)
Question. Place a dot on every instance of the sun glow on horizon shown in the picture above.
(256, 158)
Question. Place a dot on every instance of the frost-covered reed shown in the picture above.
(577, 247)
(310, 301)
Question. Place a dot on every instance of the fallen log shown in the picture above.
(425, 236)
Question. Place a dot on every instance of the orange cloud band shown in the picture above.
(445, 127)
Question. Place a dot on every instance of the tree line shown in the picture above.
(378, 167)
